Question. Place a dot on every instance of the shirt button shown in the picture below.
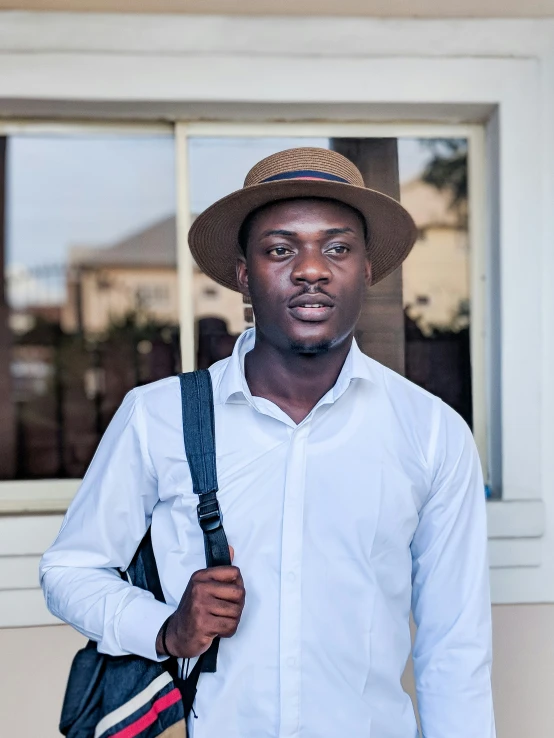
(291, 661)
(291, 576)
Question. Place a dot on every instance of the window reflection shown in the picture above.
(91, 291)
(436, 279)
(90, 305)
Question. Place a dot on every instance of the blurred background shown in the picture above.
(121, 121)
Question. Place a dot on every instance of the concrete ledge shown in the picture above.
(41, 496)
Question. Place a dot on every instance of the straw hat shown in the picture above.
(296, 173)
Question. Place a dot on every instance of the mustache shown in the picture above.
(312, 291)
(311, 297)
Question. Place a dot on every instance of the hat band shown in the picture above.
(305, 174)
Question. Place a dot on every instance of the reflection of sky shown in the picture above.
(218, 166)
(66, 191)
(69, 191)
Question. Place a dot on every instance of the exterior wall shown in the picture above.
(523, 677)
(110, 293)
(438, 270)
(438, 267)
(122, 286)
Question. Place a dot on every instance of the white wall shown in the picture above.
(38, 661)
(389, 70)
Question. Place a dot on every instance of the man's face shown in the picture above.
(306, 271)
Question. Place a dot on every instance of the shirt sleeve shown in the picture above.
(451, 597)
(101, 531)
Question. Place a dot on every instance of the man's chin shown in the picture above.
(310, 348)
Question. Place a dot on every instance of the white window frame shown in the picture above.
(455, 71)
(40, 496)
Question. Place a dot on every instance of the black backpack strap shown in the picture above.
(199, 436)
(142, 571)
(146, 553)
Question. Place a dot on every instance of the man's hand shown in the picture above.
(210, 606)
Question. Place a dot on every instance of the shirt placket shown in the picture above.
(291, 581)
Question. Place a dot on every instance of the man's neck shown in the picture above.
(295, 382)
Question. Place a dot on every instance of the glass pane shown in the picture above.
(436, 274)
(431, 316)
(91, 291)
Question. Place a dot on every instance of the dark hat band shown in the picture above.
(305, 174)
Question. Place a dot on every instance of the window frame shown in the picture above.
(32, 493)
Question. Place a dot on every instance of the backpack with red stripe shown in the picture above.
(128, 696)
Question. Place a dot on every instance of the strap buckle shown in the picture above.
(209, 515)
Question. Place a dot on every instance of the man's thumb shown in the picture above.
(231, 553)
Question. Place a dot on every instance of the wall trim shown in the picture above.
(174, 34)
(40, 496)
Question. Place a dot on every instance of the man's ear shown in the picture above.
(242, 276)
(368, 275)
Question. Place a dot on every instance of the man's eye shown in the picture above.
(280, 251)
(338, 248)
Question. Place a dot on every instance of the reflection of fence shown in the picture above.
(67, 392)
(441, 364)
(81, 339)
(65, 385)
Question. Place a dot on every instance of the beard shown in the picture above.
(310, 349)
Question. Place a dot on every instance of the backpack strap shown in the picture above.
(199, 437)
(142, 571)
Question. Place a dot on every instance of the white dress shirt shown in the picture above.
(372, 505)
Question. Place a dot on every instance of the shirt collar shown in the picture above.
(233, 387)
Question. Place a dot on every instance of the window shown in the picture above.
(91, 291)
(436, 279)
(95, 310)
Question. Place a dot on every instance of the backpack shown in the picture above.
(124, 696)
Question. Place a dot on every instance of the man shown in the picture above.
(349, 495)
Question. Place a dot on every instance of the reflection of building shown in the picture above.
(134, 276)
(436, 273)
(138, 276)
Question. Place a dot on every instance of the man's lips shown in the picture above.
(311, 308)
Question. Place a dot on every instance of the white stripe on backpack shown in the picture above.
(134, 704)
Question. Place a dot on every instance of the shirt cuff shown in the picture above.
(139, 625)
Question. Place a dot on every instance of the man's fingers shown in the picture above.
(239, 581)
(231, 553)
(218, 574)
(222, 626)
(228, 592)
(225, 609)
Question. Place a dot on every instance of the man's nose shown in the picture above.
(310, 265)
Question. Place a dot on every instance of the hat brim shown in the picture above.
(213, 237)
